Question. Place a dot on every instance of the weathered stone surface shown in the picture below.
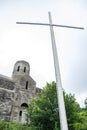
(6, 95)
(6, 103)
(5, 83)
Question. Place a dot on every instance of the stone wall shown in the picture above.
(6, 103)
(6, 84)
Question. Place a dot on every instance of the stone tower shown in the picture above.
(22, 88)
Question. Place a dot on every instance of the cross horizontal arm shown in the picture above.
(46, 24)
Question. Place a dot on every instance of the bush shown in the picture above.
(15, 126)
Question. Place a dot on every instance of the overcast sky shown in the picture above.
(33, 43)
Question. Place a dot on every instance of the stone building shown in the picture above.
(16, 92)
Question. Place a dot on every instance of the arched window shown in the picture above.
(26, 84)
(24, 105)
(24, 69)
(18, 68)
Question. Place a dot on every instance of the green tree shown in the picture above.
(43, 110)
(72, 110)
(86, 103)
(82, 125)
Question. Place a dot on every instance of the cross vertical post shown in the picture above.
(62, 112)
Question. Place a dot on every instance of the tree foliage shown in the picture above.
(15, 126)
(86, 103)
(43, 110)
(72, 110)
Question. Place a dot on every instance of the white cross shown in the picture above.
(62, 111)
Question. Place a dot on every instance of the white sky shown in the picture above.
(33, 43)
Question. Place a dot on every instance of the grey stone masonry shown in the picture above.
(16, 92)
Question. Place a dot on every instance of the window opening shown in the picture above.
(24, 69)
(20, 116)
(26, 84)
(20, 113)
(18, 68)
(24, 105)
